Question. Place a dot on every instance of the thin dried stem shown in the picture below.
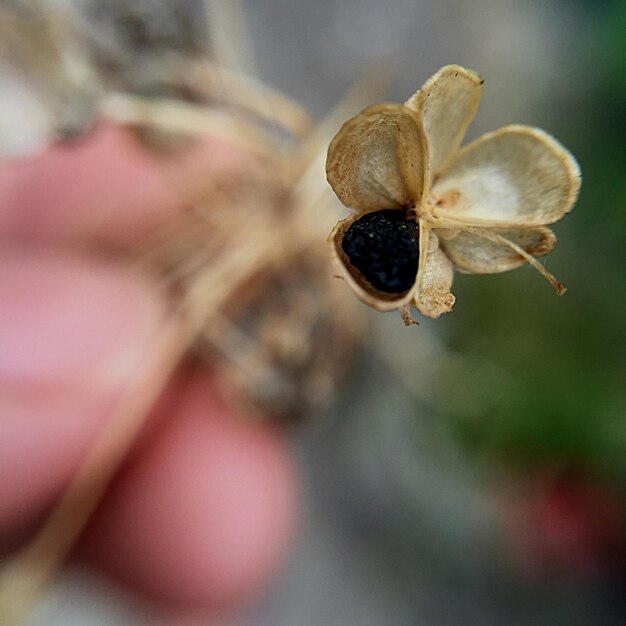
(492, 236)
(211, 289)
(185, 118)
(249, 94)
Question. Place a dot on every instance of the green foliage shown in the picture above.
(562, 398)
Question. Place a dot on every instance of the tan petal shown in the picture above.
(371, 296)
(447, 103)
(433, 297)
(515, 176)
(474, 254)
(377, 160)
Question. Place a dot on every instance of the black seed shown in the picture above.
(384, 247)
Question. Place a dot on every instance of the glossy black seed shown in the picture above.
(384, 247)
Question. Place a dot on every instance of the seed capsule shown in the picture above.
(383, 247)
(481, 209)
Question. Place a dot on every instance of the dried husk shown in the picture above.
(433, 298)
(446, 103)
(474, 254)
(516, 176)
(378, 159)
(489, 204)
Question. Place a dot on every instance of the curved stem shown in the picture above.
(559, 287)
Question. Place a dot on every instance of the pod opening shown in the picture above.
(382, 248)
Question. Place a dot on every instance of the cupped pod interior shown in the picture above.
(378, 254)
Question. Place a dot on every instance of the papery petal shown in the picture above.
(433, 296)
(378, 160)
(447, 103)
(364, 291)
(515, 176)
(474, 254)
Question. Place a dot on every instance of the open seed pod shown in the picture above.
(424, 208)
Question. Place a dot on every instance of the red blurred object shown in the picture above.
(569, 526)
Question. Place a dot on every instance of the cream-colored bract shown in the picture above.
(473, 254)
(434, 293)
(378, 159)
(513, 177)
(480, 209)
(446, 104)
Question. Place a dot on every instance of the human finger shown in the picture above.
(106, 189)
(71, 336)
(201, 516)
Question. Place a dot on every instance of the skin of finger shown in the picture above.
(202, 516)
(106, 188)
(72, 335)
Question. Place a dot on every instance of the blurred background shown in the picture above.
(473, 469)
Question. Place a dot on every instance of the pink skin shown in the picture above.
(201, 512)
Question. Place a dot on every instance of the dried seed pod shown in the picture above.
(488, 204)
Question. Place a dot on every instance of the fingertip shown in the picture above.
(202, 517)
(107, 188)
